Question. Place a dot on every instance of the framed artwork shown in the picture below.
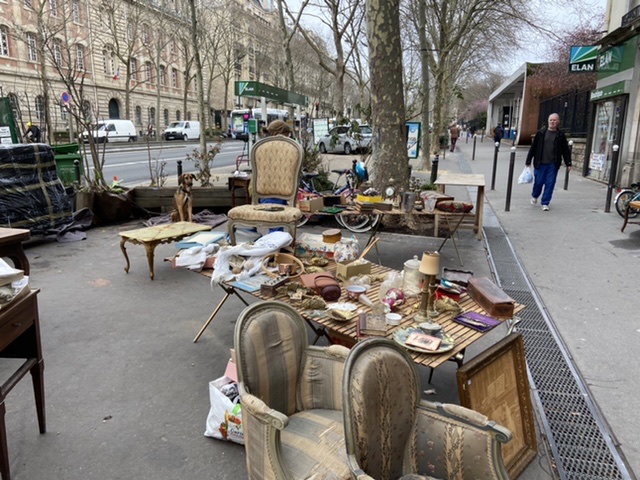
(495, 383)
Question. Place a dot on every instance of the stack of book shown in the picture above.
(14, 284)
(364, 207)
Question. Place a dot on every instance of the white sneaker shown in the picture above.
(534, 201)
(545, 208)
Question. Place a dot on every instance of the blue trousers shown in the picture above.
(545, 176)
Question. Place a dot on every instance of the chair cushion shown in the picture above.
(313, 445)
(258, 213)
(453, 206)
(276, 165)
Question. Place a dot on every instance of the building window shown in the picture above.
(166, 117)
(40, 108)
(188, 116)
(147, 72)
(4, 41)
(105, 61)
(133, 65)
(53, 7)
(86, 110)
(146, 38)
(80, 58)
(174, 78)
(163, 75)
(177, 115)
(13, 100)
(57, 51)
(152, 116)
(63, 112)
(138, 115)
(112, 63)
(32, 47)
(75, 7)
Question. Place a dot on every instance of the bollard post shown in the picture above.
(566, 173)
(76, 168)
(612, 178)
(467, 138)
(512, 161)
(495, 166)
(434, 169)
(473, 155)
(179, 162)
(482, 136)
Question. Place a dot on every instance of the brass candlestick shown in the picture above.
(430, 267)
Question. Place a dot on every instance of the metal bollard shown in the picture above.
(473, 155)
(512, 161)
(495, 166)
(467, 138)
(566, 173)
(434, 169)
(179, 162)
(612, 178)
(76, 168)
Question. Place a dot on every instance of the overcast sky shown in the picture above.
(560, 16)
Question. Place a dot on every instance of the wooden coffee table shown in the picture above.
(151, 237)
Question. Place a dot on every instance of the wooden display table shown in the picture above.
(20, 338)
(464, 180)
(151, 237)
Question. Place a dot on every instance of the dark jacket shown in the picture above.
(560, 149)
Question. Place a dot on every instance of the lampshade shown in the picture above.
(430, 263)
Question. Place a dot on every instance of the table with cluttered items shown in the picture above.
(345, 298)
(446, 180)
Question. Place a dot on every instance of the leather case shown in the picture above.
(491, 297)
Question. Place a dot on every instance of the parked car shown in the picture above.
(185, 130)
(112, 131)
(342, 139)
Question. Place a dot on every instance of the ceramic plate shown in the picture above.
(401, 335)
(347, 307)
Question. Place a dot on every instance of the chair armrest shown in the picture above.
(470, 441)
(252, 405)
(320, 385)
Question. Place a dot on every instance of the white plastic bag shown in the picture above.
(526, 176)
(224, 421)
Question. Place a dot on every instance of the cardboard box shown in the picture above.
(231, 371)
(331, 200)
(311, 204)
(348, 270)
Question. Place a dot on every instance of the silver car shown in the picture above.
(342, 139)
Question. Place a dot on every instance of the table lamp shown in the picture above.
(430, 267)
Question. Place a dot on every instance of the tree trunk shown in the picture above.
(387, 94)
(424, 67)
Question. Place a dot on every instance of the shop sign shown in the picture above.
(274, 94)
(597, 161)
(582, 59)
(608, 91)
(617, 58)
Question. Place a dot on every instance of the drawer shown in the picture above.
(16, 320)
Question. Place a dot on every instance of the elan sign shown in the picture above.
(582, 59)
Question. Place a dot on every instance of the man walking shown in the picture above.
(454, 131)
(33, 133)
(548, 150)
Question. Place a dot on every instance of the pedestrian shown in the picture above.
(277, 127)
(497, 133)
(454, 131)
(548, 150)
(33, 133)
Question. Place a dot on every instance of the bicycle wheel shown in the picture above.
(621, 201)
(303, 220)
(355, 222)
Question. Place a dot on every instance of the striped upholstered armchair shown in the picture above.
(291, 397)
(276, 163)
(391, 434)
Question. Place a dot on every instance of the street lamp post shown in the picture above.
(566, 173)
(512, 161)
(612, 178)
(473, 155)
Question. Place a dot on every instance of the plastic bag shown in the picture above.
(526, 176)
(224, 421)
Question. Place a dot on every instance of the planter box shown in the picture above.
(203, 197)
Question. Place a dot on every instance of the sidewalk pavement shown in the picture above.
(127, 389)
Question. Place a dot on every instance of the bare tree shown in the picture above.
(198, 62)
(387, 100)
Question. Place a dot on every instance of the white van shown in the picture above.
(113, 131)
(184, 130)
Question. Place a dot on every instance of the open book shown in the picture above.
(200, 239)
(423, 341)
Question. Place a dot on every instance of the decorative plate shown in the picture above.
(401, 334)
(347, 307)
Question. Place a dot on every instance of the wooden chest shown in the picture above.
(491, 297)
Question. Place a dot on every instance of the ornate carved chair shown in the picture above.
(276, 163)
(391, 434)
(291, 397)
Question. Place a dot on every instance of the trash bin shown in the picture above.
(65, 154)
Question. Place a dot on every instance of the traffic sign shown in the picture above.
(65, 98)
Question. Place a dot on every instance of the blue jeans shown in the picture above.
(545, 176)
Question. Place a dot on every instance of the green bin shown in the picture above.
(66, 168)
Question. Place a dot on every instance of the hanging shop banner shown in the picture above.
(582, 59)
(413, 139)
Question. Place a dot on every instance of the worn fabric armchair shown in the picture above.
(276, 163)
(291, 395)
(391, 434)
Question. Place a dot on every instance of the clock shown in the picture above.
(390, 191)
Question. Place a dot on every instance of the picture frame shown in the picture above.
(495, 383)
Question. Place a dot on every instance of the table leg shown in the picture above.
(124, 252)
(37, 377)
(150, 247)
(479, 212)
(228, 292)
(626, 218)
(4, 451)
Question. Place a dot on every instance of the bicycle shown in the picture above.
(623, 198)
(352, 221)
